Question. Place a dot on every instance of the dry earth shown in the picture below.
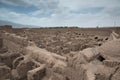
(59, 53)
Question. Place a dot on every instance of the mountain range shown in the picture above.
(16, 25)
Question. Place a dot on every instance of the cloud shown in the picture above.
(14, 2)
(83, 4)
(43, 6)
(64, 12)
(112, 11)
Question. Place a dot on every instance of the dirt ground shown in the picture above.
(59, 53)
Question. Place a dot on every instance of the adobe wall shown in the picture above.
(14, 43)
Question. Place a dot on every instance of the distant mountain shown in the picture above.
(2, 22)
(16, 25)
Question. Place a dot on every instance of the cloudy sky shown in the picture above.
(83, 13)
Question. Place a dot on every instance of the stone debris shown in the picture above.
(90, 53)
(116, 75)
(114, 36)
(5, 72)
(111, 63)
(111, 49)
(1, 42)
(37, 73)
(8, 58)
(24, 66)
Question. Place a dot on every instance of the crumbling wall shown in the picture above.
(1, 42)
(32, 56)
(14, 43)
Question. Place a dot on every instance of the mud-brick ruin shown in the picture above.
(59, 54)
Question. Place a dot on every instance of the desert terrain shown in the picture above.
(64, 53)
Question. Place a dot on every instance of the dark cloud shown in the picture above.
(14, 2)
(38, 3)
(43, 6)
